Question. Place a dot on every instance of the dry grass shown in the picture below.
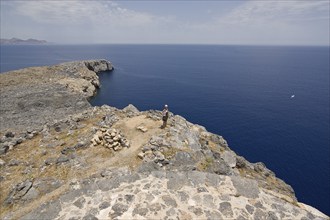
(89, 160)
(170, 152)
(31, 156)
(270, 184)
(215, 147)
(205, 164)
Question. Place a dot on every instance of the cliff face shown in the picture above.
(106, 163)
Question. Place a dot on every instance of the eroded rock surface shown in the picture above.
(34, 96)
(108, 163)
(149, 196)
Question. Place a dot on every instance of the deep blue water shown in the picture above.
(240, 92)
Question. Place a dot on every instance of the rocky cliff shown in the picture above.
(63, 159)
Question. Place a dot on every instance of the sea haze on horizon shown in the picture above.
(244, 93)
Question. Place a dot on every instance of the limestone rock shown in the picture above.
(98, 65)
(13, 162)
(141, 155)
(241, 162)
(110, 138)
(179, 195)
(9, 134)
(18, 192)
(185, 172)
(62, 159)
(131, 110)
(2, 162)
(31, 194)
(220, 167)
(41, 94)
(4, 147)
(230, 158)
(142, 128)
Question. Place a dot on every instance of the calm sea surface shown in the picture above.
(240, 92)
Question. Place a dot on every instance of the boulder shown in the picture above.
(13, 162)
(219, 167)
(10, 134)
(98, 65)
(80, 144)
(113, 134)
(18, 192)
(241, 162)
(126, 143)
(68, 150)
(50, 161)
(141, 155)
(183, 161)
(159, 157)
(4, 147)
(142, 128)
(33, 193)
(62, 159)
(259, 167)
(131, 110)
(230, 158)
(245, 187)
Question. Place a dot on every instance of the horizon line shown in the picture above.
(177, 44)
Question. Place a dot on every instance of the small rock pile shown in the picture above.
(151, 153)
(110, 138)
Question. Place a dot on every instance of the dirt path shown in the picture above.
(138, 138)
(101, 157)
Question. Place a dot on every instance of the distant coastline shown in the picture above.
(17, 41)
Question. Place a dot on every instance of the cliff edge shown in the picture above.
(61, 158)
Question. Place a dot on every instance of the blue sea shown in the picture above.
(271, 103)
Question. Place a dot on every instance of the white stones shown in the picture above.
(110, 138)
(126, 143)
(148, 154)
(141, 155)
(142, 128)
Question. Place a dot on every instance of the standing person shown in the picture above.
(165, 116)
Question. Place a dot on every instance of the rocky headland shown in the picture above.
(17, 41)
(61, 158)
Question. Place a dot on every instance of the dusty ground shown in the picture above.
(31, 156)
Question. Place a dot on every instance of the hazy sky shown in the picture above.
(285, 22)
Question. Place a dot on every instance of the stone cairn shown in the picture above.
(110, 138)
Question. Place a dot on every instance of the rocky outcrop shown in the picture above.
(98, 65)
(17, 41)
(33, 96)
(168, 195)
(108, 163)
